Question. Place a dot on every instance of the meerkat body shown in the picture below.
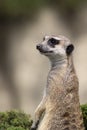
(60, 107)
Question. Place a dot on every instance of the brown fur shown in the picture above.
(60, 107)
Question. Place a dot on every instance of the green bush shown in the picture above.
(84, 112)
(15, 120)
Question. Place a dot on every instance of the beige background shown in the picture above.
(28, 69)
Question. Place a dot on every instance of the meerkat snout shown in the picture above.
(39, 47)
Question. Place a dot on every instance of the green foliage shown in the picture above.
(84, 112)
(30, 7)
(14, 120)
(20, 7)
(15, 128)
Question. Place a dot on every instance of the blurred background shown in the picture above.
(23, 71)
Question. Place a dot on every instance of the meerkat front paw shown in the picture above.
(32, 128)
(35, 125)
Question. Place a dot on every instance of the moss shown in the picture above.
(84, 112)
(15, 120)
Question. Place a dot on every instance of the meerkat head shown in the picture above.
(55, 47)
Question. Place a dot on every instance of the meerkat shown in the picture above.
(60, 107)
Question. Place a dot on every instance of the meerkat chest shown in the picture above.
(55, 78)
(55, 86)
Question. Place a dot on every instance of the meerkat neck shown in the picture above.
(70, 64)
(58, 62)
(65, 64)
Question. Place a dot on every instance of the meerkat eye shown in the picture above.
(52, 42)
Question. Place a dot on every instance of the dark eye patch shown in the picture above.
(52, 42)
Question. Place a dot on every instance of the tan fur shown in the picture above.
(60, 107)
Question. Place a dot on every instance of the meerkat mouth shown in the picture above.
(44, 52)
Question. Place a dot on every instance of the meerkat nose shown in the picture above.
(39, 47)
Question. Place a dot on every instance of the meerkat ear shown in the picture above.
(69, 49)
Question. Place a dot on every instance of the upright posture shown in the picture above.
(60, 107)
